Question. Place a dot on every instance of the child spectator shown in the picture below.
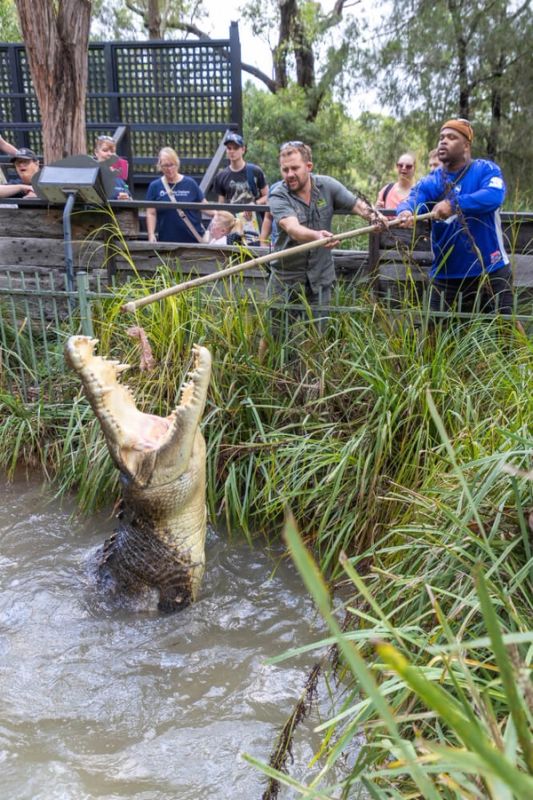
(105, 148)
(224, 228)
(26, 165)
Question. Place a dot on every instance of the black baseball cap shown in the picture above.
(24, 154)
(236, 138)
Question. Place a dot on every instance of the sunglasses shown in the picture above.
(405, 166)
(104, 138)
(294, 143)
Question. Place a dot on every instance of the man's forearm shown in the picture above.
(300, 233)
(364, 210)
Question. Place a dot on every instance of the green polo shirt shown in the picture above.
(328, 197)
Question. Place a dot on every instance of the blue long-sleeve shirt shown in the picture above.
(469, 242)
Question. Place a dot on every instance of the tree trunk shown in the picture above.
(303, 53)
(457, 15)
(281, 51)
(153, 21)
(56, 38)
(292, 38)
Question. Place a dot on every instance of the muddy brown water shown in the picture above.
(110, 703)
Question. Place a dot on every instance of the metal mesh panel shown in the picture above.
(188, 86)
(31, 108)
(97, 104)
(173, 84)
(7, 109)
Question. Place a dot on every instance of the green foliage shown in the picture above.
(300, 36)
(471, 59)
(360, 153)
(436, 658)
(9, 24)
(271, 119)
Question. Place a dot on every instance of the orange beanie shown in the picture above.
(461, 125)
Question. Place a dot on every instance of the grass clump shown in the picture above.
(333, 436)
(435, 698)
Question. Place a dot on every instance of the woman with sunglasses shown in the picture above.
(391, 195)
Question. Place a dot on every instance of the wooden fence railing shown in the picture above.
(109, 245)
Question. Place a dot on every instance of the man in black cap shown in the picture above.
(241, 182)
(26, 164)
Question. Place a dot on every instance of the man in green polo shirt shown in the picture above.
(303, 205)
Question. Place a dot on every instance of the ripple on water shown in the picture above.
(100, 705)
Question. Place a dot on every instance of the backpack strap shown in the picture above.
(180, 212)
(388, 187)
(251, 180)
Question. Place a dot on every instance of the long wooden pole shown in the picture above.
(133, 305)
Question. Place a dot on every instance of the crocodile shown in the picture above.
(160, 540)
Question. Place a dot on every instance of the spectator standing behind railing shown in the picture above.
(173, 224)
(242, 182)
(26, 164)
(433, 159)
(391, 195)
(465, 195)
(105, 148)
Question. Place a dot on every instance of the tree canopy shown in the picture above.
(467, 58)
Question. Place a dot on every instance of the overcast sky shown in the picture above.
(221, 14)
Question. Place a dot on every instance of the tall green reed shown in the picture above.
(436, 697)
(335, 437)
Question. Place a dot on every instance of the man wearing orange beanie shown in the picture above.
(469, 260)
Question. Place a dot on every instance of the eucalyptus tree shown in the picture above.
(56, 36)
(159, 19)
(471, 58)
(311, 47)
